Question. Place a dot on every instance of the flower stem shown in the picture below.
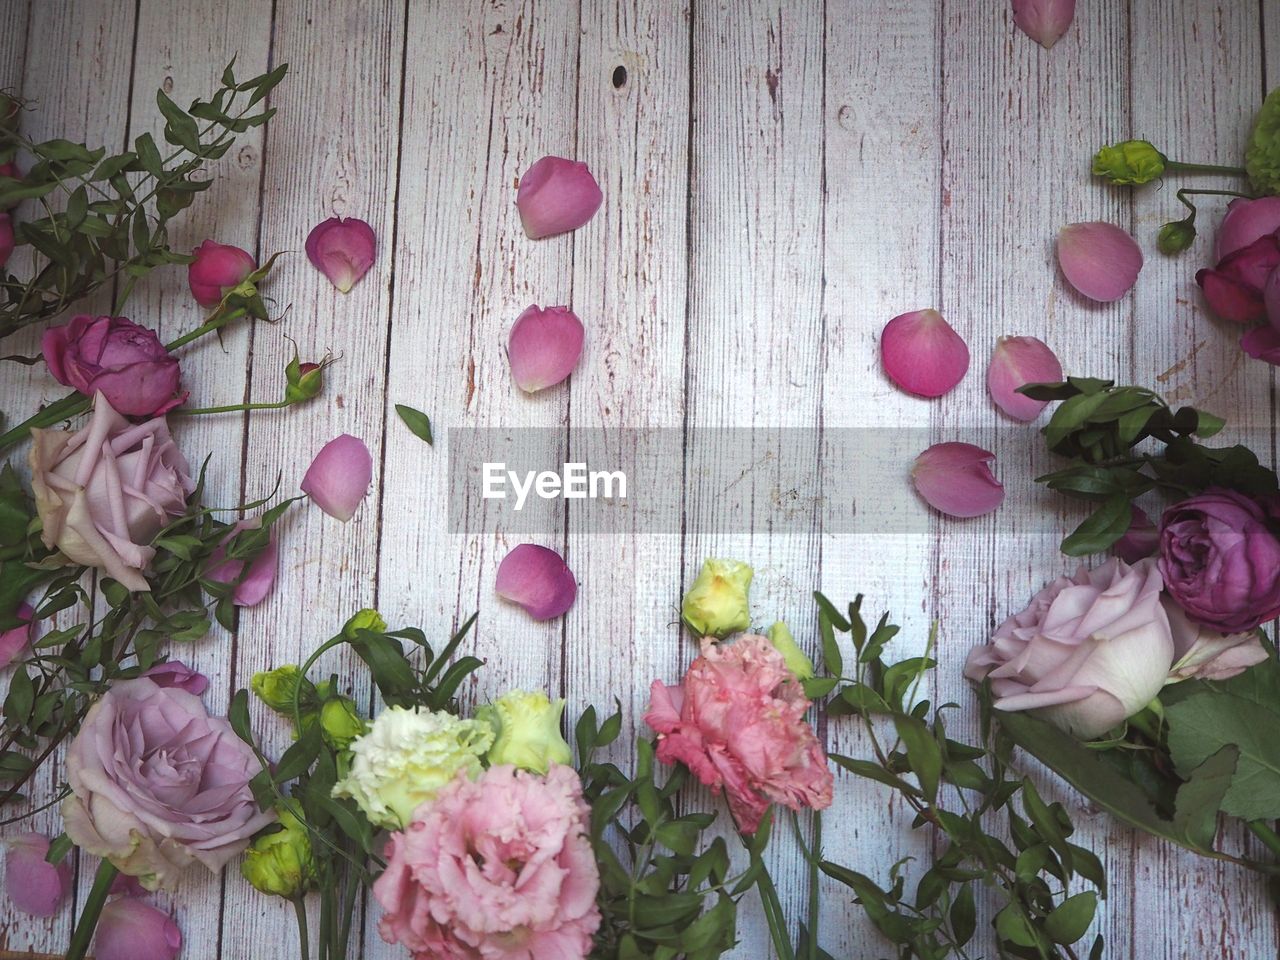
(59, 410)
(775, 916)
(300, 910)
(229, 408)
(88, 921)
(1264, 832)
(1179, 167)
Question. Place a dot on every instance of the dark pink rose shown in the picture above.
(217, 268)
(113, 356)
(1244, 222)
(1234, 288)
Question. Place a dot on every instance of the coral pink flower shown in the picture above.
(737, 722)
(500, 868)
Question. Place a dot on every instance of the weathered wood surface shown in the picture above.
(780, 179)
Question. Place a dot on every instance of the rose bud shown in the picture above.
(1044, 21)
(341, 722)
(1016, 362)
(1176, 236)
(1132, 162)
(1099, 259)
(797, 662)
(1244, 222)
(218, 269)
(1234, 289)
(6, 238)
(555, 196)
(276, 689)
(343, 250)
(104, 491)
(1089, 652)
(544, 347)
(280, 863)
(922, 354)
(175, 673)
(1204, 654)
(303, 381)
(116, 357)
(35, 885)
(955, 479)
(1139, 541)
(526, 731)
(130, 929)
(717, 603)
(537, 579)
(16, 639)
(339, 476)
(261, 576)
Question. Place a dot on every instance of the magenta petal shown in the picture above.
(339, 476)
(175, 673)
(343, 250)
(1044, 21)
(544, 347)
(1245, 222)
(253, 589)
(35, 885)
(955, 479)
(130, 929)
(1139, 541)
(1099, 259)
(538, 579)
(15, 640)
(555, 196)
(1262, 343)
(922, 353)
(1271, 298)
(1016, 362)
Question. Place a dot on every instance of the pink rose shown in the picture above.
(217, 268)
(496, 869)
(1089, 651)
(1200, 652)
(117, 358)
(1234, 287)
(1244, 222)
(104, 491)
(737, 722)
(157, 784)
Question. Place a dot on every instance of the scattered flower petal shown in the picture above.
(253, 589)
(537, 579)
(1016, 362)
(343, 250)
(555, 196)
(16, 639)
(922, 353)
(1044, 21)
(217, 268)
(175, 673)
(955, 479)
(1141, 539)
(339, 476)
(130, 929)
(544, 347)
(35, 885)
(1245, 222)
(1099, 259)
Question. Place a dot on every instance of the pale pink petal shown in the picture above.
(1099, 259)
(1044, 21)
(922, 353)
(16, 640)
(339, 476)
(1016, 362)
(343, 250)
(955, 479)
(130, 929)
(1244, 222)
(544, 347)
(537, 579)
(34, 884)
(555, 196)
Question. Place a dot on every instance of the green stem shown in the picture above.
(1188, 192)
(300, 911)
(229, 408)
(1178, 167)
(1264, 832)
(215, 322)
(775, 916)
(815, 879)
(88, 921)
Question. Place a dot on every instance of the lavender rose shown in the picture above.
(1089, 651)
(116, 357)
(1220, 559)
(157, 784)
(104, 491)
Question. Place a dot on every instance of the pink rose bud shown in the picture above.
(217, 269)
(955, 479)
(257, 583)
(922, 353)
(1244, 222)
(16, 639)
(544, 347)
(1235, 288)
(116, 357)
(35, 885)
(343, 250)
(175, 673)
(6, 238)
(130, 929)
(1016, 362)
(1139, 541)
(1100, 260)
(537, 579)
(1044, 21)
(303, 381)
(339, 476)
(555, 196)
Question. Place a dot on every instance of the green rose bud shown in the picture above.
(716, 604)
(796, 660)
(340, 722)
(1176, 236)
(1262, 156)
(364, 620)
(526, 731)
(303, 381)
(276, 688)
(280, 862)
(1130, 162)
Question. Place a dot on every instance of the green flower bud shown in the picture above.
(341, 722)
(1176, 236)
(796, 660)
(1262, 156)
(364, 620)
(303, 381)
(716, 604)
(280, 862)
(526, 731)
(1130, 162)
(275, 688)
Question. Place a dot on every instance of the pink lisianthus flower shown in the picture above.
(737, 722)
(500, 868)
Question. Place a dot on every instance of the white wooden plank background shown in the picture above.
(780, 179)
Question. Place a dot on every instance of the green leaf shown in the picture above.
(1200, 798)
(1104, 527)
(832, 659)
(963, 916)
(869, 770)
(923, 752)
(301, 754)
(238, 716)
(1069, 921)
(1012, 925)
(827, 608)
(179, 130)
(419, 423)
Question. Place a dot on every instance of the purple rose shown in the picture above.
(157, 784)
(1221, 559)
(117, 358)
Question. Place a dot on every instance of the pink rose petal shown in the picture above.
(1044, 21)
(537, 579)
(1245, 222)
(1262, 343)
(175, 673)
(253, 589)
(343, 250)
(130, 929)
(1099, 259)
(34, 884)
(955, 479)
(544, 347)
(922, 353)
(1016, 362)
(339, 476)
(15, 640)
(555, 196)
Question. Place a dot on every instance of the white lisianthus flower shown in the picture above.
(406, 757)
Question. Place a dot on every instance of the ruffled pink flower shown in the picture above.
(116, 357)
(500, 868)
(737, 722)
